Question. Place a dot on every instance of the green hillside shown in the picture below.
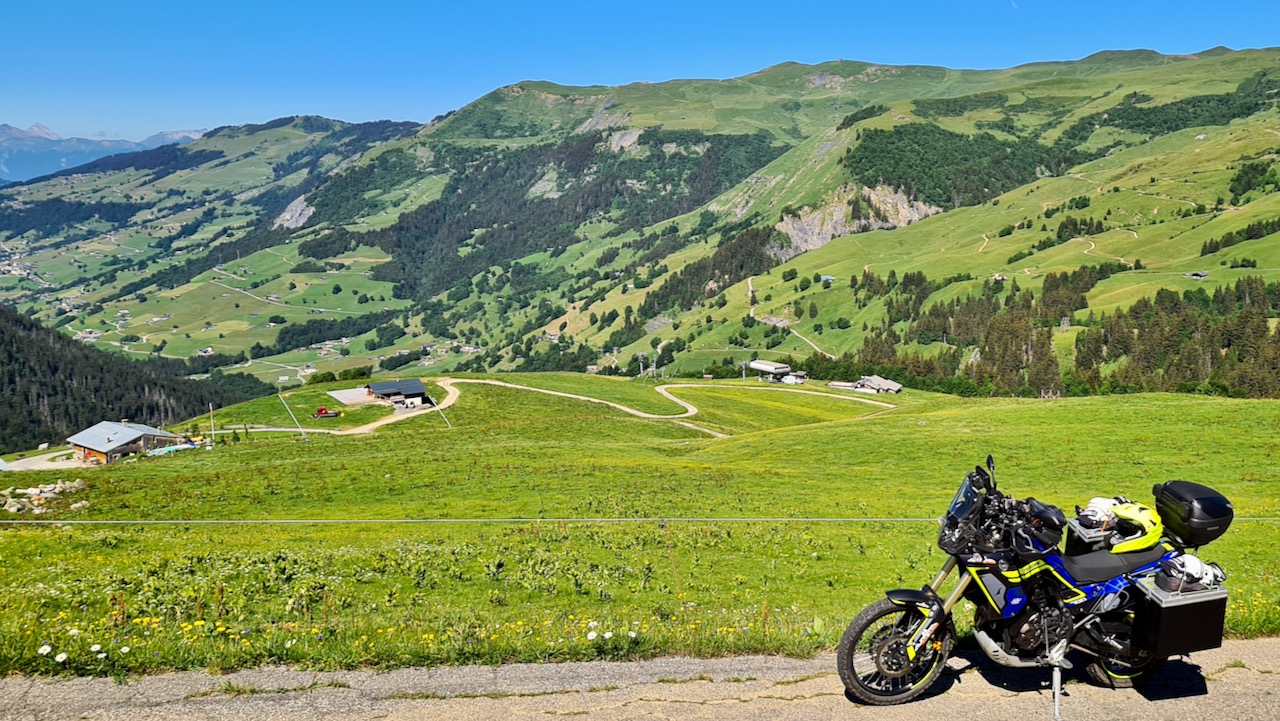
(386, 594)
(545, 227)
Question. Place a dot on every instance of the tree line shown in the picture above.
(1000, 342)
(952, 169)
(52, 386)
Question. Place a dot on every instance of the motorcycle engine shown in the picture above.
(1029, 632)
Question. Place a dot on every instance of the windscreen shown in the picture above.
(962, 516)
(965, 503)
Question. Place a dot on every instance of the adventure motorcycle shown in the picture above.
(1034, 603)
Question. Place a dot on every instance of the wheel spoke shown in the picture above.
(880, 662)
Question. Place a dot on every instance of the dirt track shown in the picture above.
(1240, 681)
(453, 394)
(45, 462)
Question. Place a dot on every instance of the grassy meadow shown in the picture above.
(361, 591)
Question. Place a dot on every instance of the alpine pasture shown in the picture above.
(540, 527)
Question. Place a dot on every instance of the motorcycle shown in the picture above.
(1034, 603)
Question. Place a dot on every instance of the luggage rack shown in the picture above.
(1082, 539)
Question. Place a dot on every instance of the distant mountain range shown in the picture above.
(963, 230)
(37, 151)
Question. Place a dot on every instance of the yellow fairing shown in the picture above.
(1138, 515)
(1020, 575)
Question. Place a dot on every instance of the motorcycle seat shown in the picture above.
(1103, 565)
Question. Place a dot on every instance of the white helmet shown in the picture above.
(1188, 573)
(1098, 513)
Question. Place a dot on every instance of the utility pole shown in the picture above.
(213, 433)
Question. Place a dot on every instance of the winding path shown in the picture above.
(1165, 197)
(452, 394)
(985, 240)
(811, 343)
(1092, 245)
(751, 294)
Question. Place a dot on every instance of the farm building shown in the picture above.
(407, 393)
(109, 441)
(876, 384)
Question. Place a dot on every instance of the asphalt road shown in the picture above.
(1237, 682)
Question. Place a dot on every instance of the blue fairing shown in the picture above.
(1015, 599)
(1097, 590)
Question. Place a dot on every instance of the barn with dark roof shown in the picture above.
(407, 393)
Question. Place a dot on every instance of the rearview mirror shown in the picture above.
(981, 480)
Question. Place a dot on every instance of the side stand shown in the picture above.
(1057, 693)
(1057, 659)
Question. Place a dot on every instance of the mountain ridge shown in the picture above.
(544, 226)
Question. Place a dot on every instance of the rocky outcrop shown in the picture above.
(33, 500)
(826, 80)
(876, 209)
(295, 215)
(895, 208)
(602, 119)
(546, 186)
(622, 140)
(653, 325)
(812, 228)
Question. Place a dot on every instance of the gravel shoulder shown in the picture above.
(1240, 680)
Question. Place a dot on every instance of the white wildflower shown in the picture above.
(608, 635)
(593, 624)
(591, 636)
(289, 643)
(632, 634)
(102, 655)
(124, 649)
(96, 647)
(44, 650)
(60, 657)
(74, 632)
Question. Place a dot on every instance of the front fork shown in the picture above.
(936, 609)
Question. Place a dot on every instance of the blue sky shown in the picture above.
(128, 69)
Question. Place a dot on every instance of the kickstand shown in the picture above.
(1057, 693)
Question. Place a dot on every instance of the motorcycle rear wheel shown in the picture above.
(1124, 669)
(1131, 673)
(872, 658)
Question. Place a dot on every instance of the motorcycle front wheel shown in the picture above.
(873, 660)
